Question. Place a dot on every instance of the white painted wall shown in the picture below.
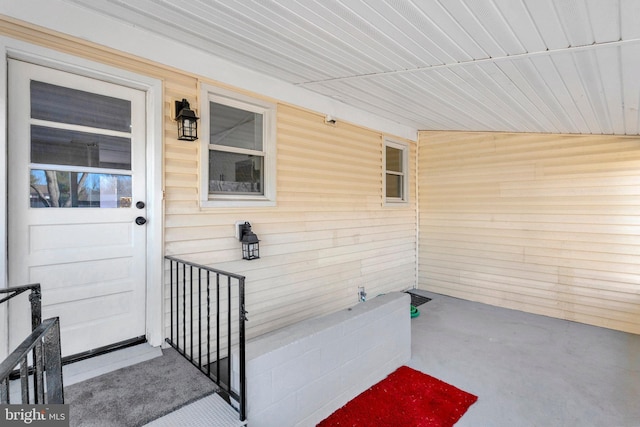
(301, 374)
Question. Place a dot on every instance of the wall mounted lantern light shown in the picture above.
(250, 245)
(187, 121)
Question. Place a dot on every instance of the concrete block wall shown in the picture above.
(300, 374)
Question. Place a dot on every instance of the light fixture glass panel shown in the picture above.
(64, 105)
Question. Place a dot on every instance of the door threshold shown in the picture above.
(89, 367)
(103, 350)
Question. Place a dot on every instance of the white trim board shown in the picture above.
(4, 313)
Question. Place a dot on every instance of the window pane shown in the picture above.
(394, 159)
(65, 147)
(235, 173)
(394, 186)
(76, 107)
(66, 189)
(234, 127)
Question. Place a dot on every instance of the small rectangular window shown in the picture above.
(235, 150)
(239, 136)
(396, 161)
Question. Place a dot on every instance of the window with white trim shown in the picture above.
(238, 149)
(396, 168)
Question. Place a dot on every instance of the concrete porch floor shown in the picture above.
(528, 370)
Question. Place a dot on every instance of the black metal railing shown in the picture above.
(44, 342)
(208, 324)
(34, 298)
(42, 345)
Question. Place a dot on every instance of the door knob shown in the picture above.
(141, 220)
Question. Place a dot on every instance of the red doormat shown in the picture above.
(406, 398)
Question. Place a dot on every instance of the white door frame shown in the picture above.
(11, 48)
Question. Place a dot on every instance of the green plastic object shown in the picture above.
(414, 311)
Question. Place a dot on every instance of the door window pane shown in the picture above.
(64, 147)
(67, 189)
(64, 105)
(235, 173)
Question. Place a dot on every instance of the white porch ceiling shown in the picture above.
(560, 66)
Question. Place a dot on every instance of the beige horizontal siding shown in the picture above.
(542, 223)
(328, 234)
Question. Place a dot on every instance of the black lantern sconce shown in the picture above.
(187, 121)
(250, 242)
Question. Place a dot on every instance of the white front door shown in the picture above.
(76, 186)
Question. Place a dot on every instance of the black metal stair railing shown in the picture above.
(208, 324)
(34, 298)
(43, 344)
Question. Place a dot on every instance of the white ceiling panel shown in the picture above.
(604, 16)
(554, 80)
(528, 95)
(630, 58)
(439, 25)
(575, 21)
(444, 85)
(549, 103)
(609, 65)
(519, 20)
(472, 25)
(559, 66)
(629, 19)
(495, 23)
(547, 22)
(591, 79)
(400, 32)
(568, 69)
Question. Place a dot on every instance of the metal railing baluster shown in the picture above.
(190, 283)
(217, 326)
(208, 323)
(44, 342)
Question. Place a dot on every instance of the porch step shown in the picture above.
(94, 366)
(210, 411)
(98, 365)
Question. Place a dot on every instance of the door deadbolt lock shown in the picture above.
(140, 205)
(141, 220)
